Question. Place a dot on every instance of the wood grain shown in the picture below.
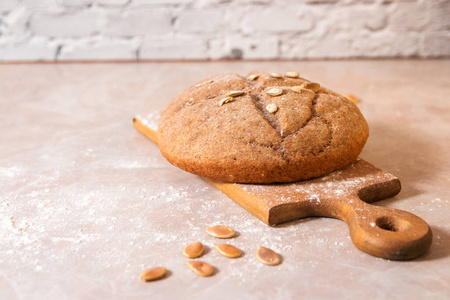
(344, 194)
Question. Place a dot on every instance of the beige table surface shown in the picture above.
(87, 203)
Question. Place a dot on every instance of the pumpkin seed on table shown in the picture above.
(228, 250)
(267, 256)
(194, 250)
(153, 273)
(276, 75)
(292, 74)
(201, 268)
(271, 108)
(275, 91)
(221, 231)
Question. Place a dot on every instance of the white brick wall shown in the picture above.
(62, 24)
(201, 20)
(174, 49)
(216, 29)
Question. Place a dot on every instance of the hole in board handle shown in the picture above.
(392, 224)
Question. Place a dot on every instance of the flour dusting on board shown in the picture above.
(335, 185)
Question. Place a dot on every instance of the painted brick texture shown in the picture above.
(59, 30)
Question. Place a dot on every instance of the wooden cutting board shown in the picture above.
(344, 194)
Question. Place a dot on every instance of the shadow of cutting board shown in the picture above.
(344, 194)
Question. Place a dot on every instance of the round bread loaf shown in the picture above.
(261, 129)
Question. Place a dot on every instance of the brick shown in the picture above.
(359, 1)
(112, 2)
(200, 20)
(257, 1)
(237, 47)
(76, 24)
(100, 49)
(321, 1)
(16, 22)
(278, 19)
(439, 15)
(436, 44)
(36, 49)
(394, 1)
(316, 47)
(174, 49)
(7, 5)
(331, 47)
(76, 3)
(144, 2)
(376, 19)
(407, 17)
(386, 44)
(139, 22)
(295, 48)
(40, 5)
(355, 19)
(232, 20)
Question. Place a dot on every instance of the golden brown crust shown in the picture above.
(310, 134)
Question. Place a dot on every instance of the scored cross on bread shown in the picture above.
(262, 128)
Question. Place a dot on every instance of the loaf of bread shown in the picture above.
(263, 128)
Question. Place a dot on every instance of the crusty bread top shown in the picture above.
(238, 140)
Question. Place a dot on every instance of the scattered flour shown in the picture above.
(98, 214)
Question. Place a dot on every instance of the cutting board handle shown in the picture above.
(386, 232)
